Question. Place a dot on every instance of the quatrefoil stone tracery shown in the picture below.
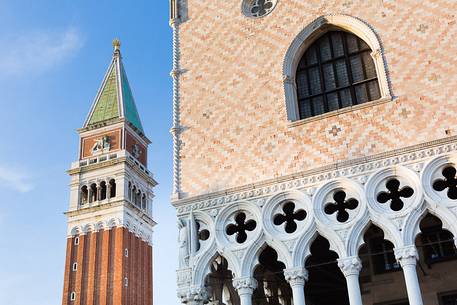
(258, 8)
(202, 234)
(240, 227)
(290, 216)
(340, 206)
(395, 194)
(261, 7)
(449, 182)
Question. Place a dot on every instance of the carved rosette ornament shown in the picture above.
(350, 265)
(296, 276)
(406, 255)
(245, 285)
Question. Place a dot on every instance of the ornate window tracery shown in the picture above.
(241, 227)
(290, 217)
(394, 194)
(258, 8)
(341, 205)
(449, 182)
(335, 72)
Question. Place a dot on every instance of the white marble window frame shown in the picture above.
(313, 31)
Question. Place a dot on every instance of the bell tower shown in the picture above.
(110, 224)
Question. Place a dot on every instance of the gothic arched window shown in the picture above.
(335, 72)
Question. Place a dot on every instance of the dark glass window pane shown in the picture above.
(373, 89)
(357, 68)
(318, 105)
(302, 85)
(305, 109)
(337, 71)
(361, 94)
(337, 44)
(363, 45)
(449, 299)
(369, 65)
(346, 99)
(352, 43)
(311, 57)
(332, 101)
(342, 73)
(329, 77)
(324, 45)
(314, 80)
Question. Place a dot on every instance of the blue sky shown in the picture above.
(53, 56)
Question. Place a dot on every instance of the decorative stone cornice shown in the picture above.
(296, 276)
(245, 285)
(350, 265)
(107, 218)
(406, 256)
(413, 156)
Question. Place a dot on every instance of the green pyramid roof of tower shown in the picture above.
(114, 98)
(106, 107)
(130, 111)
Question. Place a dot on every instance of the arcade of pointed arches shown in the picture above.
(247, 247)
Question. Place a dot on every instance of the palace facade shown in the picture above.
(315, 151)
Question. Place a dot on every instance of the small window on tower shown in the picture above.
(76, 242)
(126, 252)
(73, 296)
(75, 267)
(126, 281)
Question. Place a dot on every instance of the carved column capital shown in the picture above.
(245, 285)
(193, 295)
(350, 265)
(296, 276)
(406, 256)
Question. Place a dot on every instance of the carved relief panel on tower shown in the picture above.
(135, 148)
(101, 143)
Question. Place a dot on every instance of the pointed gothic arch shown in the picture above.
(251, 260)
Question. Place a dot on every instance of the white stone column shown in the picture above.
(245, 287)
(297, 278)
(407, 257)
(108, 190)
(351, 266)
(90, 194)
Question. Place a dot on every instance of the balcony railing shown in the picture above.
(110, 156)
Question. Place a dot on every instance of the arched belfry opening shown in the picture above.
(219, 284)
(326, 283)
(272, 287)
